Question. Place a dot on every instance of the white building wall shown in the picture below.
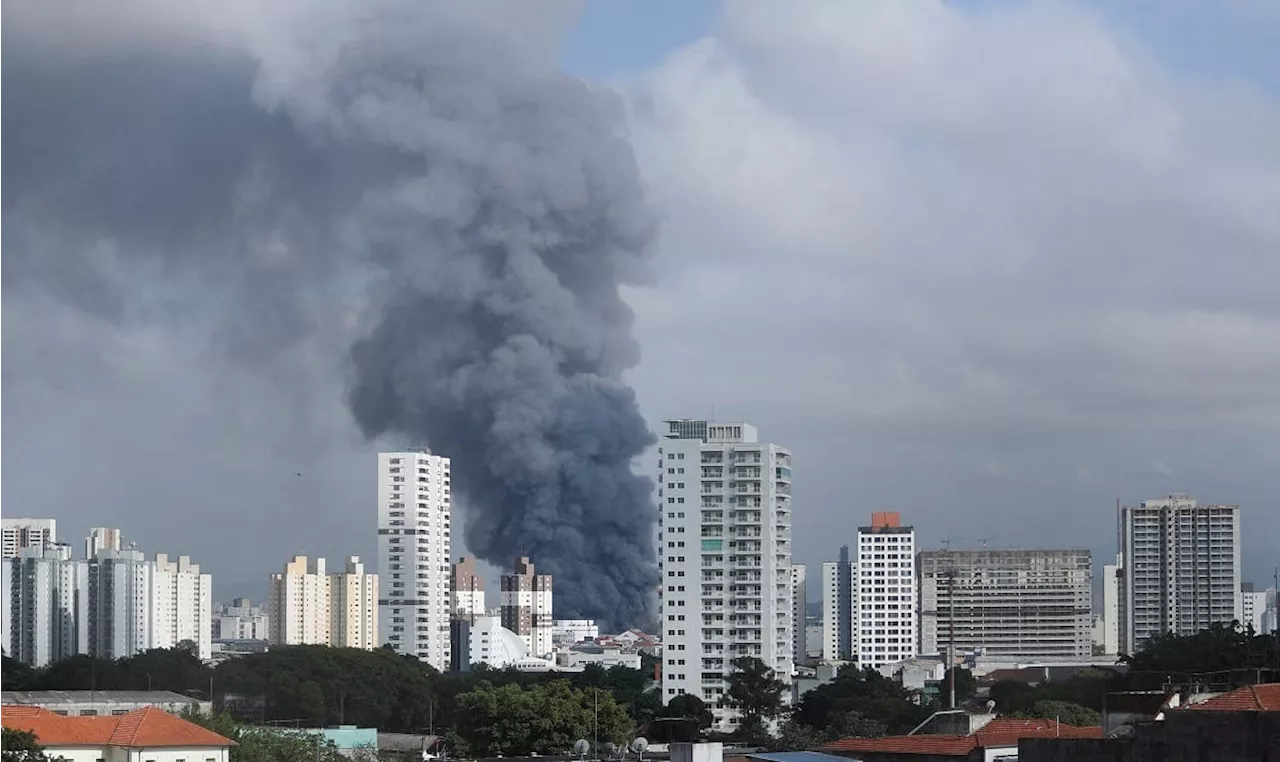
(1181, 568)
(21, 533)
(46, 605)
(102, 538)
(1253, 607)
(1111, 581)
(885, 590)
(299, 604)
(414, 554)
(574, 630)
(120, 594)
(181, 605)
(354, 607)
(725, 558)
(799, 605)
(838, 609)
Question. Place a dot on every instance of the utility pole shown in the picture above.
(595, 693)
(951, 585)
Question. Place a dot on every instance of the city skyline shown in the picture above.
(933, 322)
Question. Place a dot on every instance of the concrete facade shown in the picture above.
(353, 607)
(526, 606)
(46, 612)
(885, 591)
(414, 553)
(19, 533)
(300, 604)
(838, 615)
(725, 557)
(1011, 603)
(799, 606)
(468, 589)
(1181, 568)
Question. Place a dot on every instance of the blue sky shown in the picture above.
(1215, 41)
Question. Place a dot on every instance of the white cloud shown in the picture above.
(897, 231)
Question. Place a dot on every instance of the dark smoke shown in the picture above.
(487, 208)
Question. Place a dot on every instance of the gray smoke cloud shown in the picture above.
(405, 177)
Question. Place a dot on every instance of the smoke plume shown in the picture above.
(481, 208)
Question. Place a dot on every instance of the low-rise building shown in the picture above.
(104, 703)
(957, 735)
(147, 734)
(580, 656)
(570, 631)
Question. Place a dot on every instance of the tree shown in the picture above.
(966, 684)
(511, 720)
(692, 708)
(872, 695)
(264, 744)
(1063, 711)
(21, 746)
(755, 692)
(17, 676)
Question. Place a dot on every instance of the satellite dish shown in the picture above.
(581, 747)
(991, 707)
(639, 745)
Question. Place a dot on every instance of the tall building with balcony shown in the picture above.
(799, 610)
(120, 603)
(46, 611)
(27, 533)
(181, 604)
(885, 591)
(838, 614)
(1181, 568)
(300, 603)
(526, 607)
(1034, 604)
(414, 553)
(725, 558)
(353, 607)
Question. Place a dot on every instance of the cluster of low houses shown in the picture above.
(1241, 725)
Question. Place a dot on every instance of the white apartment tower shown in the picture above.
(46, 611)
(120, 605)
(414, 551)
(353, 607)
(885, 591)
(725, 558)
(1111, 581)
(181, 605)
(799, 610)
(27, 533)
(1033, 604)
(1181, 568)
(300, 604)
(1253, 608)
(240, 620)
(838, 614)
(102, 538)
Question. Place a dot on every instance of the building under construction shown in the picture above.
(1022, 603)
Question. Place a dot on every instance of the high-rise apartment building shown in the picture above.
(102, 538)
(414, 551)
(120, 603)
(725, 558)
(1111, 581)
(1016, 603)
(468, 590)
(1181, 568)
(300, 604)
(799, 609)
(885, 591)
(526, 606)
(46, 611)
(1253, 607)
(240, 620)
(353, 607)
(27, 533)
(181, 604)
(838, 615)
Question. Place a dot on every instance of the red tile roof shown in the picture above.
(148, 727)
(1002, 731)
(1254, 698)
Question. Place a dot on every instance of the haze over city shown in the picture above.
(994, 266)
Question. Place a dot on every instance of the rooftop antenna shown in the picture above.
(983, 540)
